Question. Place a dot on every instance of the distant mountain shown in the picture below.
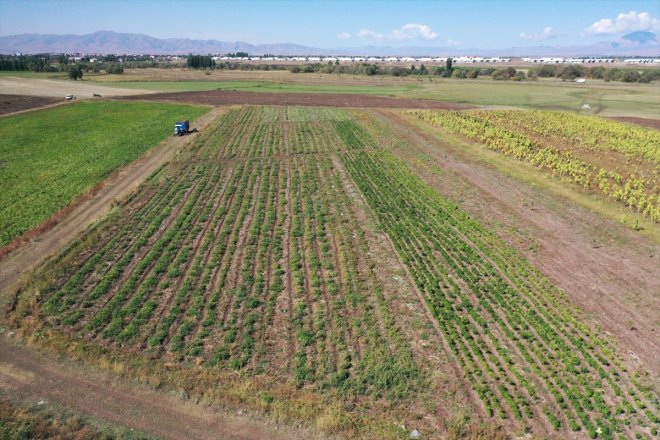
(641, 37)
(634, 44)
(103, 42)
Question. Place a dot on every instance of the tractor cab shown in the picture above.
(181, 128)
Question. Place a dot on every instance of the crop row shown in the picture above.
(516, 338)
(511, 134)
(256, 264)
(591, 133)
(249, 132)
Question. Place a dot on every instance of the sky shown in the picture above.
(341, 23)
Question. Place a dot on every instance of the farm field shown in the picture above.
(246, 253)
(223, 97)
(619, 161)
(51, 157)
(604, 98)
(292, 243)
(515, 336)
(572, 236)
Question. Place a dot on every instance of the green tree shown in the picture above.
(631, 76)
(372, 69)
(75, 72)
(114, 68)
(571, 72)
(449, 66)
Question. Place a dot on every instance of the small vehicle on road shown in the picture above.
(183, 127)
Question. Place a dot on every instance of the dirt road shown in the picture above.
(40, 376)
(32, 254)
(609, 271)
(220, 97)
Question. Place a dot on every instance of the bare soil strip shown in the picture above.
(11, 104)
(224, 97)
(42, 377)
(651, 123)
(51, 241)
(612, 276)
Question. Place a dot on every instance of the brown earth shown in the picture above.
(39, 376)
(223, 97)
(651, 123)
(609, 271)
(37, 246)
(10, 104)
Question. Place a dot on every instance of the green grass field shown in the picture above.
(50, 157)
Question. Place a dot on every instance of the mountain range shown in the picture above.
(108, 42)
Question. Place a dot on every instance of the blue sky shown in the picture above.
(327, 24)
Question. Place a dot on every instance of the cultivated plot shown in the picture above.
(248, 253)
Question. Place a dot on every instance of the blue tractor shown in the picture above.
(183, 127)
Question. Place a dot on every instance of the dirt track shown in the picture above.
(609, 271)
(52, 241)
(37, 376)
(223, 97)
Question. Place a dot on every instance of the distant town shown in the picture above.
(92, 58)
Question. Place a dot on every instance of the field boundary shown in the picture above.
(40, 377)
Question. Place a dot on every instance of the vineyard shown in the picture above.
(249, 253)
(619, 161)
(51, 157)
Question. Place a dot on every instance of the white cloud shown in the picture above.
(343, 35)
(410, 31)
(546, 34)
(625, 22)
(451, 42)
(364, 33)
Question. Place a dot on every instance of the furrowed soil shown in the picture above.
(609, 271)
(223, 97)
(10, 104)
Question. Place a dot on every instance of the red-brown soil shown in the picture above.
(17, 103)
(224, 97)
(651, 123)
